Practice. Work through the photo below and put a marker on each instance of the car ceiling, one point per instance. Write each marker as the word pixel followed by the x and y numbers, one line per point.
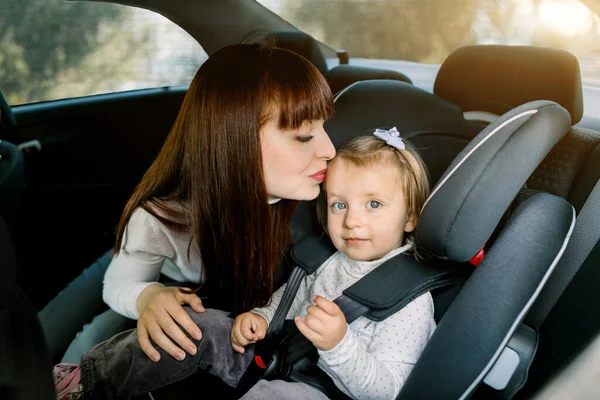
pixel 235 18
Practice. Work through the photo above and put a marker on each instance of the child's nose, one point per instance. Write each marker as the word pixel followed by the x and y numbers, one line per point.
pixel 353 218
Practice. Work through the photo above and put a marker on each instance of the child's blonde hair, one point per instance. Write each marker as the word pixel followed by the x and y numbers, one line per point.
pixel 368 150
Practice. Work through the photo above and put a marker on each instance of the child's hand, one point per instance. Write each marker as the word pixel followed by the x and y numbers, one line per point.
pixel 247 328
pixel 324 325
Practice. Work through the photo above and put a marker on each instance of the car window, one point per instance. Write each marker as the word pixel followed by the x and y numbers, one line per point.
pixel 427 31
pixel 60 49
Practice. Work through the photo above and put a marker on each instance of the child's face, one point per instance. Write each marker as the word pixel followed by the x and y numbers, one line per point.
pixel 366 210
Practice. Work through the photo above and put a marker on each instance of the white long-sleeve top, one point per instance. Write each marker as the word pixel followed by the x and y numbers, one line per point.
pixel 148 249
pixel 374 359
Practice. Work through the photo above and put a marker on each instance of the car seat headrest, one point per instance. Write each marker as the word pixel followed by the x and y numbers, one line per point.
pixel 479 186
pixel 366 105
pixel 370 104
pixel 497 78
pixel 344 75
pixel 303 44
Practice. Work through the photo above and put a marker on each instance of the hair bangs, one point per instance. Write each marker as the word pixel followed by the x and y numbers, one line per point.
pixel 299 93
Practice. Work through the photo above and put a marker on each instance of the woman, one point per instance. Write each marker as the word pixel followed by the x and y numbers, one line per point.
pixel 215 206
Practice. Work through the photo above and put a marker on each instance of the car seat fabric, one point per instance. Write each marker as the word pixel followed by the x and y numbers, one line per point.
pixel 487 311
pixel 25 365
pixel 516 266
pixel 433 125
pixel 571 169
pixel 497 157
pixel 12 172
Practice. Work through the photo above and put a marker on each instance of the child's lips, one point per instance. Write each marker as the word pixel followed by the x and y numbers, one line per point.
pixel 352 241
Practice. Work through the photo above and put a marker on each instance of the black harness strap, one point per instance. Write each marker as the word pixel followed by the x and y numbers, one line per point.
pixel 286 354
pixel 308 255
pixel 394 284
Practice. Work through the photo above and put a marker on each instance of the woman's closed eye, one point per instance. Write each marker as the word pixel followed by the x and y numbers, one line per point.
pixel 304 139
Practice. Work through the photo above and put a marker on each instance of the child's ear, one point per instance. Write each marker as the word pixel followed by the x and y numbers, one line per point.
pixel 410 225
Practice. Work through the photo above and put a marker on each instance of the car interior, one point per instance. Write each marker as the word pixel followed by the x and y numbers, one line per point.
pixel 513 161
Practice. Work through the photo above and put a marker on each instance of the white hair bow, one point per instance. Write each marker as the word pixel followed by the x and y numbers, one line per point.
pixel 391 137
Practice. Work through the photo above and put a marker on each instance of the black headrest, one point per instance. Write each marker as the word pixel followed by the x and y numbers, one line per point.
pixel 434 125
pixel 344 75
pixel 479 186
pixel 371 104
pixel 497 78
pixel 303 44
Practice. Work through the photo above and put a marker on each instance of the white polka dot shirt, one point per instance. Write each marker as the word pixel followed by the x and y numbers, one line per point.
pixel 374 359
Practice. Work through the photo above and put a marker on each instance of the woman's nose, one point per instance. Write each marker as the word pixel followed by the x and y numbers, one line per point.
pixel 326 149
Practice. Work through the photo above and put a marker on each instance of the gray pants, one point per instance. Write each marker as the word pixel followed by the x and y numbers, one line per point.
pixel 283 390
pixel 77 318
pixel 118 369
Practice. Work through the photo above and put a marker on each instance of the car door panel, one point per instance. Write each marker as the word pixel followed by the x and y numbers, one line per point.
pixel 92 153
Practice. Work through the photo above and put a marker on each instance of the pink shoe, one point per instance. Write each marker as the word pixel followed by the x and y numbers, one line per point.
pixel 66 381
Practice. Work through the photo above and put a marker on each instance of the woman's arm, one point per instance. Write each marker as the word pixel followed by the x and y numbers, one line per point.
pixel 378 370
pixel 131 288
pixel 137 265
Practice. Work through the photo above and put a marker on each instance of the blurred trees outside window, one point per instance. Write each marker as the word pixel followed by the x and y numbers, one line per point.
pixel 53 49
pixel 427 31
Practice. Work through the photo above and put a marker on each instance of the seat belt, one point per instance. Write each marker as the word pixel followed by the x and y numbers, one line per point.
pixel 377 295
pixel 308 255
pixel 382 292
pixel 584 238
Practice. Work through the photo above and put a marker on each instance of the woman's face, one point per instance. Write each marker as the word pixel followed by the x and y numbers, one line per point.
pixel 294 161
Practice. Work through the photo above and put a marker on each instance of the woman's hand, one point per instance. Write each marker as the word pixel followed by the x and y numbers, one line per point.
pixel 247 328
pixel 324 324
pixel 161 309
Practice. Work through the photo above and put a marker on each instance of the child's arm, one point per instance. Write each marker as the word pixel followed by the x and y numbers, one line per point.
pixel 301 298
pixel 247 328
pixel 375 361
pixel 267 312
pixel 252 326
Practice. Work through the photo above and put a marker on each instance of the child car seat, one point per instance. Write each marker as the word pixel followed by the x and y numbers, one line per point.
pixel 458 219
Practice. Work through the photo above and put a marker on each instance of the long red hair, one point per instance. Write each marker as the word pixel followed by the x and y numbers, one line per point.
pixel 210 167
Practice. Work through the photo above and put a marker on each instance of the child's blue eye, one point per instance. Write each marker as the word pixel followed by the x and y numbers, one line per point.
pixel 373 204
pixel 338 205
